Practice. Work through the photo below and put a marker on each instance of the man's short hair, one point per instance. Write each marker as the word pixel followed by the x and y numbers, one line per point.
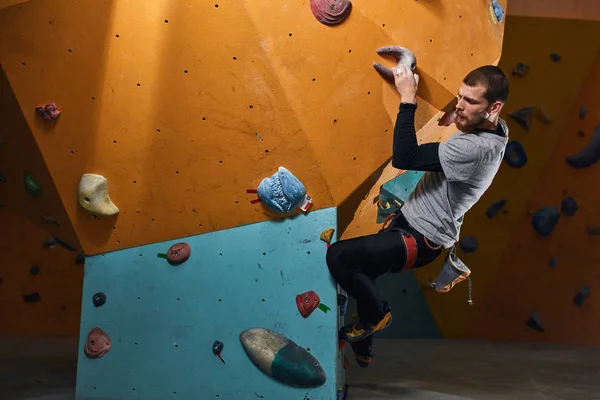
pixel 493 79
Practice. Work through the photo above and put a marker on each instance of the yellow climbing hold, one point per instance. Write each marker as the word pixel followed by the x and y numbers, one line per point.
pixel 93 196
pixel 327 234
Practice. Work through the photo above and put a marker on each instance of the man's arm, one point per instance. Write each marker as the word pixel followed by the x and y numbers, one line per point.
pixel 408 155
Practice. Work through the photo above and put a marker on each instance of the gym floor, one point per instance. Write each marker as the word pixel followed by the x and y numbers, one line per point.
pixel 402 369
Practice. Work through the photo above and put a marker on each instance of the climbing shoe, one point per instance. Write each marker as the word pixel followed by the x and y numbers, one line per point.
pixel 358 331
pixel 362 351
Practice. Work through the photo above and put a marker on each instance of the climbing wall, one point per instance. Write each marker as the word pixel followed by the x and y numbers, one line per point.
pixel 156 314
pixel 181 126
pixel 40 262
pixel 512 277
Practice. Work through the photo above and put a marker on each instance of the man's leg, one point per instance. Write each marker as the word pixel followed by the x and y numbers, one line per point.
pixel 356 263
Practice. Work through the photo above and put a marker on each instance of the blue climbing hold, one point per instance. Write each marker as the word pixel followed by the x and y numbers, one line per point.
pixel 468 244
pixel 569 206
pixel 544 220
pixel 34 270
pixel 535 322
pixel 2 177
pixel 555 57
pixel 553 261
pixel 495 208
pixel 515 155
pixel 581 296
pixel 582 112
pixel 498 10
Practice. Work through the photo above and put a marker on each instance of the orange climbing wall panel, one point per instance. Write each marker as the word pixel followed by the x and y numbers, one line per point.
pixel 525 281
pixel 183 107
pixel 572 9
pixel 554 87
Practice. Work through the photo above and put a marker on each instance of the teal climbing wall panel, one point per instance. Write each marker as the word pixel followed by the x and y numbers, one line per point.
pixel 163 319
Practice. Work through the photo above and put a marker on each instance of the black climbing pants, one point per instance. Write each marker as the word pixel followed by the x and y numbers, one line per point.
pixel 356 263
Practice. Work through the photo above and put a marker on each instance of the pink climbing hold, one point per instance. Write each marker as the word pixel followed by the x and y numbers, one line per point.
pixel 179 253
pixel 97 344
pixel 330 12
pixel 49 112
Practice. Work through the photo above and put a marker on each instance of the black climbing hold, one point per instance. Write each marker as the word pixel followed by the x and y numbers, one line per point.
pixel 534 322
pixel 80 259
pixel 64 244
pixel 553 261
pixel 521 69
pixel 582 112
pixel 515 155
pixel 99 299
pixel 217 349
pixel 589 155
pixel 32 297
pixel 569 206
pixel 34 270
pixel 468 244
pixel 32 186
pixel 341 299
pixel 523 116
pixel 581 295
pixel 495 208
pixel 555 57
pixel 544 220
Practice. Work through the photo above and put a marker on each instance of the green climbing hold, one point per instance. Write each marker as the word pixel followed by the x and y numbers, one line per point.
pixel 33 188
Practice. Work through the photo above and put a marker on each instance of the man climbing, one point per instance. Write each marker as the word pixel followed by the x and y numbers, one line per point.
pixel 458 172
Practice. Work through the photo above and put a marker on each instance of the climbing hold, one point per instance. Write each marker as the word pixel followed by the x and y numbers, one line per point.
pixel 217 349
pixel 589 155
pixel 534 322
pixel 553 261
pixel 593 230
pixel 581 295
pixel 555 57
pixel 307 302
pixel 282 359
pixel 50 243
pixel 543 116
pixel 495 208
pixel 64 244
pixel 569 206
pixel 93 195
pixel 515 155
pixel 283 192
pixel 521 69
pixel 49 219
pixel 582 112
pixel 31 185
pixel 32 297
pixel 34 270
pixel 48 112
pixel 402 56
pixel 2 177
pixel 99 299
pixel 342 302
pixel 80 259
pixel 468 244
pixel 497 11
pixel 523 116
pixel 327 235
pixel 330 12
pixel 544 220
pixel 98 343
pixel 179 253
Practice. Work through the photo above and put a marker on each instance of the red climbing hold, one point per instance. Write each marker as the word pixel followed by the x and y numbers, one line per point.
pixel 179 253
pixel 330 12
pixel 49 111
pixel 307 303
pixel 98 343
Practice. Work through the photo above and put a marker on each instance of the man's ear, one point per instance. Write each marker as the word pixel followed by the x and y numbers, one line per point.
pixel 496 107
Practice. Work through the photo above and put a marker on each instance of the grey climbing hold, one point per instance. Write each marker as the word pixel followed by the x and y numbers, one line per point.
pixel 32 186
pixel 569 206
pixel 589 155
pixel 582 112
pixel 99 299
pixel 544 220
pixel 522 116
pixel 581 295
pixel 553 261
pixel 468 244
pixel 555 57
pixel 535 322
pixel 495 208
pixel 515 155
pixel 402 56
pixel 34 270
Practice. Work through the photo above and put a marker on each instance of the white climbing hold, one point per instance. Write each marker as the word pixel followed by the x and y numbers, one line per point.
pixel 93 196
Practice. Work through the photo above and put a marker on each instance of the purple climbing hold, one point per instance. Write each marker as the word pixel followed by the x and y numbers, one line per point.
pixel 49 112
pixel 468 244
pixel 569 206
pixel 534 322
pixel 581 295
pixel 544 220
pixel 495 208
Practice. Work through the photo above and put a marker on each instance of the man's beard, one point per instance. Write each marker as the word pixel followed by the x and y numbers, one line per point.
pixel 465 125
